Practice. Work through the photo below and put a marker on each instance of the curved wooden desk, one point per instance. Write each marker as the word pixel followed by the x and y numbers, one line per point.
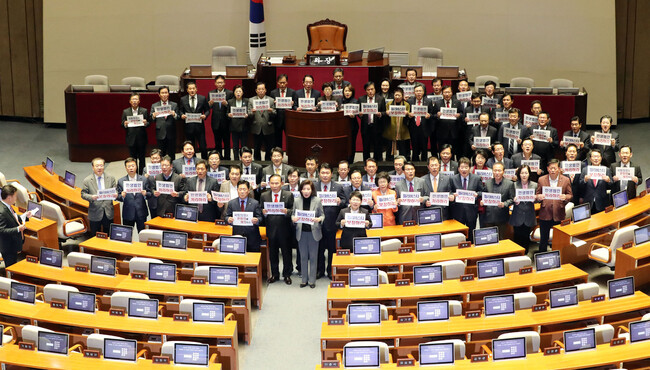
pixel 635 262
pixel 327 135
pixel 69 199
pixel 39 233
pixel 408 233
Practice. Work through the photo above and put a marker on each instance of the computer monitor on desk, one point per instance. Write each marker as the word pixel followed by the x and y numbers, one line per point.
pixel 486 236
pixel 499 305
pixel 224 275
pixel 174 240
pixel 363 278
pixel 547 261
pixel 232 244
pixel 49 165
pixel 377 220
pixel 162 272
pixel 642 235
pixel 428 242
pixel 428 216
pixel 120 349
pixel 579 340
pixel 620 199
pixel 37 209
pixel 361 357
pixel 436 354
pixel 623 287
pixel 639 330
pixel 508 349
pixel 69 178
pixel 563 297
pixel 433 311
pixel 214 312
pixel 191 354
pixel 51 342
pixel 51 257
pixel 363 246
pixel 22 292
pixel 83 302
pixel 103 265
pixel 364 313
pixel 491 268
pixel 185 212
pixel 581 212
pixel 427 274
pixel 121 233
pixel 143 308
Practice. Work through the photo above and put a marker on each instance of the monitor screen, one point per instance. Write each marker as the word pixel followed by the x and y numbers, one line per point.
pixel 49 165
pixel 429 216
pixel 37 209
pixel 191 354
pixel 547 260
pixel 639 330
pixel 102 265
pixel 364 314
pixel 364 277
pixel 642 235
pixel 436 353
pixel 121 233
pixel 581 212
pixel 120 349
pixel 51 257
pixel 490 268
pixel 2 330
pixel 69 178
pixel 563 297
pixel 232 244
pixel 426 243
pixel 78 301
pixel 576 340
pixel 431 274
pixel 23 292
pixel 187 213
pixel 175 240
pixel 208 312
pixel 362 356
pixel 506 349
pixel 647 184
pixel 162 272
pixel 377 220
pixel 143 308
pixel 433 311
pixel 486 236
pixel 620 198
pixel 224 275
pixel 366 245
pixel 499 305
pixel 52 342
pixel 622 287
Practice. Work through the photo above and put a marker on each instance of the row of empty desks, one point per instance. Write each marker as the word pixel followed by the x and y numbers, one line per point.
pixel 634 261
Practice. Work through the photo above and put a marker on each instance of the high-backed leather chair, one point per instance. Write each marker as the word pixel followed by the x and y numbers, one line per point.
pixel 327 37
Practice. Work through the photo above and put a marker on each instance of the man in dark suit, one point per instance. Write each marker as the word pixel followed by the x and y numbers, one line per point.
pixel 551 212
pixel 435 182
pixel 214 167
pixel 136 133
pixel 498 215
pixel 446 163
pixel 463 212
pixel 134 206
pixel 410 184
pixel 282 91
pixel 219 116
pixel 328 242
pixel 165 122
pixel 250 168
pixel 202 182
pixel 608 151
pixel 483 129
pixel 197 104
pixel 371 124
pixel 498 153
pixel 356 184
pixel 262 122
pixel 545 149
pixel 411 79
pixel 245 204
pixel 576 187
pixel 473 108
pixel 581 135
pixel 152 201
pixel 594 191
pixel 276 167
pixel 167 202
pixel 306 92
pixel 506 106
pixel 512 146
pixel 370 178
pixel 629 185
pixel 420 127
pixel 339 83
pixel 11 226
pixel 100 212
pixel 527 154
pixel 447 130
pixel 278 229
pixel 188 159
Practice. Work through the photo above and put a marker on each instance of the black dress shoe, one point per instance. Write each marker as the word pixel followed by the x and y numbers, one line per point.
pixel 320 275
pixel 271 280
pixel 312 286
pixel 287 280
pixel 302 285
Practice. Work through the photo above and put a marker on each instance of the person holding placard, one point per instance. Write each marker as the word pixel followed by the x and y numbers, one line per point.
pixel 608 140
pixel 230 187
pixel 480 163
pixel 276 167
pixel 277 205
pixel 100 211
pixel 246 206
pixel 248 167
pixel 135 121
pixel 410 185
pixel 576 136
pixel 467 188
pixel 371 122
pixel 342 173
pixel 622 182
pixel 382 194
pixel 152 202
pixel 498 156
pixel 545 138
pixel 215 169
pixel 185 165
pixel 435 182
pixel 596 180
pixel 421 125
pixel 483 130
pixel 194 109
pixel 356 184
pixel 371 173
pixel 327 96
pixel 284 93
pixel 498 215
pixel 293 185
pixel 447 165
pixel 384 90
pixel 203 183
pixel 512 133
pixel 134 207
pixel 307 92
pixel 552 211
pixel 262 108
pixel 352 226
pixel 572 168
pixel 338 82
pixel 411 79
pixel 238 126
pixel 172 192
pixel 307 214
pixel 436 87
pixel 447 127
pixel 506 105
pixel 333 199
pixel 396 132
pixel 471 116
pixel 164 113
pixel 523 217
pixel 348 98
pixel 527 154
pixel 463 87
pixel 218 102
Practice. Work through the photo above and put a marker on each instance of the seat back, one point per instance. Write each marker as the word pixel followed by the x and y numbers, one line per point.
pixel 22 196
pixel 522 82
pixel 481 80
pixel 202 271
pixel 513 264
pixel 186 305
pixel 459 347
pixel 383 277
pixel 3 179
pixel 150 234
pixel 141 264
pixel 99 82
pixel 455 308
pixel 429 59
pixel 53 212
pixel 121 299
pixel 532 339
pixel 5 284
pixel 168 347
pixel 621 236
pixel 96 341
pixel 171 81
pixel 452 269
pixel 587 290
pixel 604 333
pixel 384 355
pixel 327 36
pixel 223 56
pixel 525 300
pixel 568 210
pixel 133 81
pixel 57 292
pixel 452 239
pixel 560 83
pixel 390 245
pixel 78 258
pixel 30 333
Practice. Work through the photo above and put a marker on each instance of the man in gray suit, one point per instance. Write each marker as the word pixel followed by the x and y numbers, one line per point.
pixel 629 185
pixel 410 184
pixel 463 212
pixel 167 202
pixel 498 215
pixel 328 242
pixel 262 126
pixel 276 167
pixel 434 182
pixel 188 159
pixel 165 122
pixel 100 212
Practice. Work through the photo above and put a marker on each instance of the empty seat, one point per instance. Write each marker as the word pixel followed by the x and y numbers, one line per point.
pixel 78 258
pixel 455 308
pixel 522 82
pixel 23 195
pixel 141 264
pixel 57 292
pixel 95 341
pixel 623 331
pixel 481 80
pixel 121 299
pixel 535 234
pixel 65 228
pixel 452 239
pixel 383 276
pixel 133 81
pixel 525 300
pixel 587 290
pixel 532 339
pixel 384 354
pixel 607 253
pixel 429 59
pixel 223 56
pixel 171 81
pixel 186 305
pixel 99 82
pixel 451 269
pixel 560 83
pixel 604 333
pixel 513 264
pixel 5 283
pixel 30 333
pixel 150 234
pixel 9 338
pixel 390 245
pixel 459 347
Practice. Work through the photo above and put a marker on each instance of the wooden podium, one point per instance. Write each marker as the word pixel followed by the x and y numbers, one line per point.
pixel 324 135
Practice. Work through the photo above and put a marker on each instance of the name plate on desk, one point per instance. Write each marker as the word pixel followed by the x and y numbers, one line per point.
pixel 466 244
pixel 403 250
pixel 643 193
pixel 26 345
pixel 409 223
pixel 161 360
pixel 91 353
pixel 138 275
pixel 181 317
pixel 57 304
pixel 549 351
pixel 101 235
pixel 116 311
pixel 526 270
pixel 627 245
pixel 617 342
pixel 472 314
pixel 337 284
pixel 539 307
pixel 405 362
pixel 220 222
pixel 565 222
pixel 402 282
pixel 330 364
pixel 467 277
pixel 32 259
pixel 168 215
pixel 609 209
pixel 153 243
pixel 324 60
pixel 335 321
pixel 343 252
pixel 81 268
pixel 197 280
pixel 4 294
pixel 404 319
pixel 479 358
pixel 209 249
pixel 598 298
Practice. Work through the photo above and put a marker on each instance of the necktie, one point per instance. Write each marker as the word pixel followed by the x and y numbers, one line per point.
pixel 277 171
pixel 464 183
pixel 575 134
pixel 624 182
pixel 193 103
pixel 324 187
pixel 282 93
pixel 243 205
pixel 247 171
pixel 595 182
pixel 435 184
pixel 445 168
pixel 17 220
pixel 511 146
pixel 307 94
pixel 200 188
pixel 447 103
pixel 372 179
pixel 417 119
pixel 276 198
pixel 189 162
pixel 372 116
pixel 99 183
pixel 410 186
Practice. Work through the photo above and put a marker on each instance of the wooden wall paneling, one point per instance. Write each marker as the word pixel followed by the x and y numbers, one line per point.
pixel 6 89
pixel 34 85
pixel 38 29
pixel 641 90
pixel 621 49
pixel 19 58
